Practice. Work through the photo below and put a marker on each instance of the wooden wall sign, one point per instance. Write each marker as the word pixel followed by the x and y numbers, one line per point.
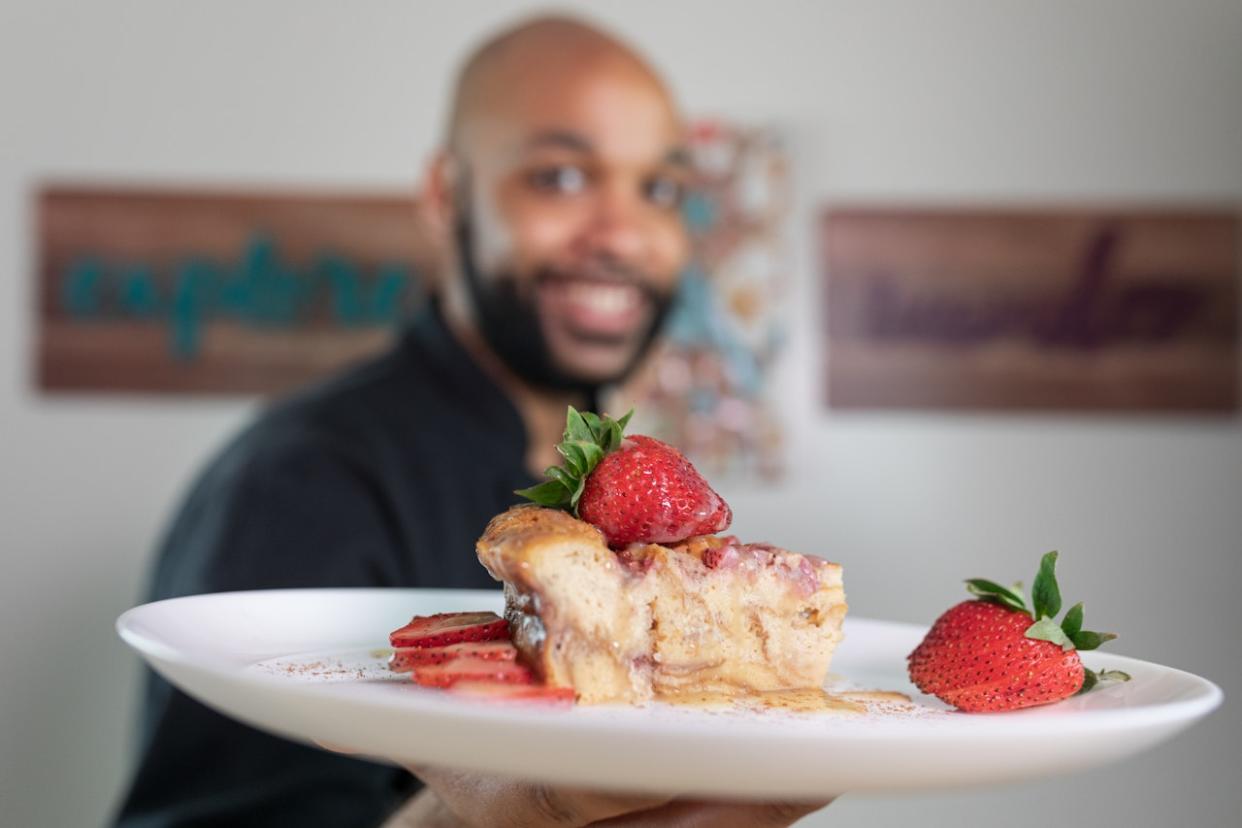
pixel 218 292
pixel 1056 309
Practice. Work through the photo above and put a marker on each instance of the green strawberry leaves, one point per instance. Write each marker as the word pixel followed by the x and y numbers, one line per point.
pixel 1072 623
pixel 1087 640
pixel 992 591
pixel 1046 603
pixel 1083 639
pixel 1091 678
pixel 1045 594
pixel 587 438
pixel 549 493
pixel 1047 629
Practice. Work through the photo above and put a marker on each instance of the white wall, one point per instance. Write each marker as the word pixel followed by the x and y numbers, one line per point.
pixel 1046 99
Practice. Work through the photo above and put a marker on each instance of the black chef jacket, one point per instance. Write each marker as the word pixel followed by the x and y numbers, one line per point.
pixel 383 477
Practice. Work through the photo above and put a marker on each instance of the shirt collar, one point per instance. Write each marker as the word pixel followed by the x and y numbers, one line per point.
pixel 481 399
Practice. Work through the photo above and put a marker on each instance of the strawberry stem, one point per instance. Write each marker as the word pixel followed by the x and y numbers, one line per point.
pixel 1046 603
pixel 997 594
pixel 587 438
pixel 1090 678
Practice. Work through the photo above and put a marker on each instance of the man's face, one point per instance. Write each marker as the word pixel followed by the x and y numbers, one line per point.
pixel 568 222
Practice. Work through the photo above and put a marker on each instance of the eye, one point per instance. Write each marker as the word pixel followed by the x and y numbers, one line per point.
pixel 664 191
pixel 562 180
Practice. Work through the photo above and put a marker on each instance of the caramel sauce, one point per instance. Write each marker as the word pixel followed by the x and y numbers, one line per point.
pixel 804 700
pixel 889 696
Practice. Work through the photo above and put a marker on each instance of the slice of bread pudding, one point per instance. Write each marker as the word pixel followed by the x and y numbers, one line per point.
pixel 709 614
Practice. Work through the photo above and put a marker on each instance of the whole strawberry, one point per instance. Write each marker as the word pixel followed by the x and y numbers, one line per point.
pixel 647 491
pixel 634 489
pixel 993 654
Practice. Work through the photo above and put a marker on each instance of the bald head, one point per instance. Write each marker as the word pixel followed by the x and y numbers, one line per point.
pixel 538 57
pixel 562 181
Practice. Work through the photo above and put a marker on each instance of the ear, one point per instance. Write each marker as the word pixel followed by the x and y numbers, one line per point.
pixel 438 201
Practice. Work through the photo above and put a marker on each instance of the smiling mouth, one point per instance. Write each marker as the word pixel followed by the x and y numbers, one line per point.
pixel 606 309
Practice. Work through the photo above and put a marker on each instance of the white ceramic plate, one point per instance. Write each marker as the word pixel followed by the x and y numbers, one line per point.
pixel 304 663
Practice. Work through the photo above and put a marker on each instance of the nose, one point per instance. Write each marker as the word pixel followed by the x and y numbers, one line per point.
pixel 619 228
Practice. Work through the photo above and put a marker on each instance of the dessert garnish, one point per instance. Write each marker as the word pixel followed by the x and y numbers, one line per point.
pixel 449 628
pixel 634 489
pixel 468 653
pixel 405 659
pixel 995 654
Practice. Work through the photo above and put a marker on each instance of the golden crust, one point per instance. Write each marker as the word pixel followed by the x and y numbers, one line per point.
pixel 520 533
pixel 528 522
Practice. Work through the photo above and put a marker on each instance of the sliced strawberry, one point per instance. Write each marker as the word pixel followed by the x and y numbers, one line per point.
pixel 496 691
pixel 407 658
pixel 449 628
pixel 471 669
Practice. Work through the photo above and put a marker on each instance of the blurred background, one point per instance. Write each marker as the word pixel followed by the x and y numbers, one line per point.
pixel 1125 109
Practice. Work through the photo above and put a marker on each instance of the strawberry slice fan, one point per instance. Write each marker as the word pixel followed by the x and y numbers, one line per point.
pixel 995 654
pixel 468 653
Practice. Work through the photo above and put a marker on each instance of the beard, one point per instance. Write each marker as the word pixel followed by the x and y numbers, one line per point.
pixel 509 320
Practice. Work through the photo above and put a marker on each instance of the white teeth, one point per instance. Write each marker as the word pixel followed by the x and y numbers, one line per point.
pixel 608 298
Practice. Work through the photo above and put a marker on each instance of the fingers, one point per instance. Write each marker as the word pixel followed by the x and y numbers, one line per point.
pixel 425 810
pixel 691 814
pixel 504 803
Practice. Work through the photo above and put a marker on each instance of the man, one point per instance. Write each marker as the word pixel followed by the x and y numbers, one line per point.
pixel 559 186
